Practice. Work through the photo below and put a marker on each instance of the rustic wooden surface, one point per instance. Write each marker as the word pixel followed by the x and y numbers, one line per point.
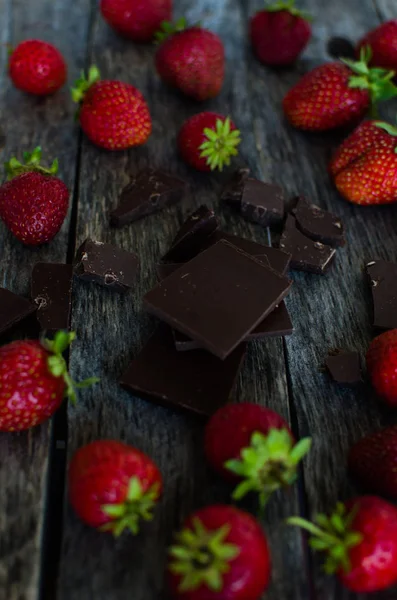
pixel 48 554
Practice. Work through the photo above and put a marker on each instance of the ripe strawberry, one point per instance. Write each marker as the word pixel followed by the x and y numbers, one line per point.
pixel 207 141
pixel 221 554
pixel 253 445
pixel 383 42
pixel 382 366
pixel 280 33
pixel 34 381
pixel 191 59
pixel 373 462
pixel 364 167
pixel 113 486
pixel 360 541
pixel 337 94
pixel 33 202
pixel 37 68
pixel 138 19
pixel 113 115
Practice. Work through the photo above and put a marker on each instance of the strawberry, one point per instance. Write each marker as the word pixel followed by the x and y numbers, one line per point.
pixel 138 19
pixel 360 543
pixel 33 202
pixel 337 94
pixel 191 59
pixel 253 445
pixel 221 554
pixel 207 141
pixel 34 381
pixel 113 486
pixel 382 366
pixel 373 462
pixel 37 68
pixel 113 115
pixel 383 42
pixel 280 33
pixel 364 168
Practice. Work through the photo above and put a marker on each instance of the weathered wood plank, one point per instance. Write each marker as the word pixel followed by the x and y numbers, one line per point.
pixel 386 8
pixel 27 122
pixel 134 567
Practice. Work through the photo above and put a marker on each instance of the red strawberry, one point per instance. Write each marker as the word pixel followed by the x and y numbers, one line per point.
pixel 373 462
pixel 254 445
pixel 337 94
pixel 360 542
pixel 221 554
pixel 34 381
pixel 191 59
pixel 138 19
pixel 113 115
pixel 364 167
pixel 383 42
pixel 207 141
pixel 280 33
pixel 33 202
pixel 37 68
pixel 382 366
pixel 113 486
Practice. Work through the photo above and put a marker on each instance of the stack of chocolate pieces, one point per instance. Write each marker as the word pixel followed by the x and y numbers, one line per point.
pixel 215 293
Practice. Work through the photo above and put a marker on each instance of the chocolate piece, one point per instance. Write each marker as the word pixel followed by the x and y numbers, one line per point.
pixel 165 270
pixel 13 309
pixel 340 47
pixel 319 224
pixel 147 193
pixel 383 278
pixel 193 381
pixel 191 236
pixel 234 188
pixel 218 297
pixel 262 203
pixel 344 367
pixel 107 265
pixel 51 291
pixel 307 255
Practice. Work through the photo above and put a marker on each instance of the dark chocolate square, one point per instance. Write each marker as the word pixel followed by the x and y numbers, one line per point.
pixel 319 224
pixel 233 190
pixel 344 367
pixel 192 235
pixel 383 279
pixel 13 309
pixel 51 291
pixel 262 203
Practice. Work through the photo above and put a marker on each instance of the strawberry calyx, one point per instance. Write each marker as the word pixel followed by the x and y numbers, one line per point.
pixel 374 79
pixel 57 364
pixel 289 5
pixel 138 505
pixel 31 163
pixel 221 144
pixel 269 463
pixel 202 557
pixel 83 84
pixel 332 535
pixel 167 29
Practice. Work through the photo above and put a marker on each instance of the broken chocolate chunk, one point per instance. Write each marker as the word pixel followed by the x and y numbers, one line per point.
pixel 318 224
pixel 107 265
pixel 307 255
pixel 344 367
pixel 195 381
pixel 149 192
pixel 51 291
pixel 13 309
pixel 262 203
pixel 192 235
pixel 233 190
pixel 383 278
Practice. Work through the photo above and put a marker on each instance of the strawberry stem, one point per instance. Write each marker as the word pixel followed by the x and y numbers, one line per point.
pixel 83 84
pixel 374 79
pixel 221 144
pixel 31 163
pixel 289 5
pixel 167 29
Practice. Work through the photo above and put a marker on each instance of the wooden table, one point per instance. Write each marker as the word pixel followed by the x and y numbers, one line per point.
pixel 45 552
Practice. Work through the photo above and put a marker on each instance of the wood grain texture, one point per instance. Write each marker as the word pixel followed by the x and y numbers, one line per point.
pixel 387 9
pixel 27 122
pixel 111 329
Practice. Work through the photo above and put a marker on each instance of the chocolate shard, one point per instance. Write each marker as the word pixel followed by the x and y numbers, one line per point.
pixel 148 192
pixel 218 298
pixel 233 190
pixel 107 265
pixel 344 367
pixel 307 255
pixel 164 270
pixel 51 291
pixel 383 279
pixel 13 309
pixel 192 235
pixel 262 203
pixel 318 224
pixel 196 382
